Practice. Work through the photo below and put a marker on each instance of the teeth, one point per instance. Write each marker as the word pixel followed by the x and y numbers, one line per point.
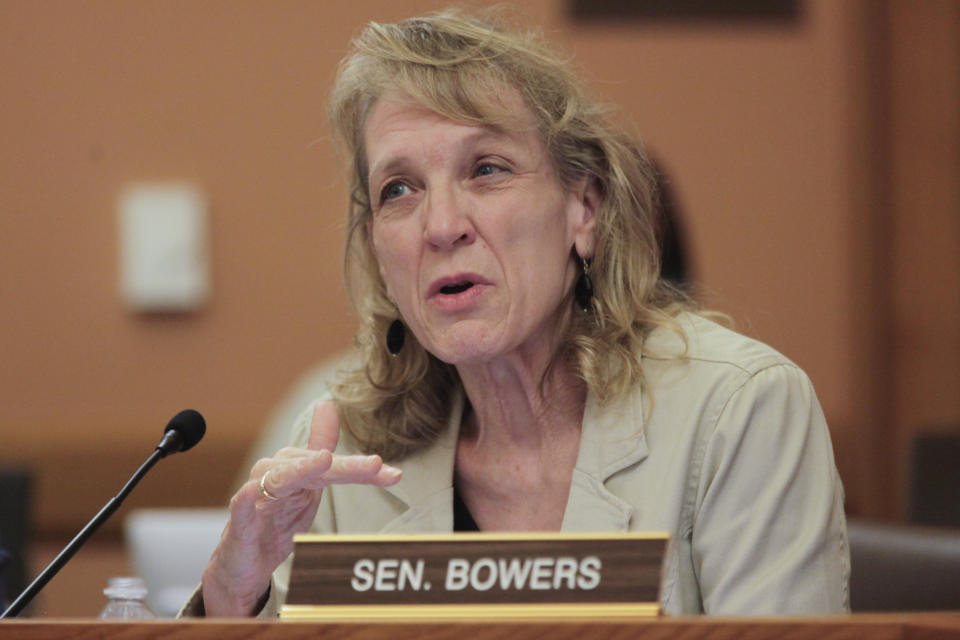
pixel 456 288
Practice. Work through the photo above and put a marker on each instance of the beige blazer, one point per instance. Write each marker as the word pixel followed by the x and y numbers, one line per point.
pixel 734 460
pixel 729 452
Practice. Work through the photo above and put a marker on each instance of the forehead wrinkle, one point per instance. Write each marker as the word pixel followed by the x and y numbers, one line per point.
pixel 390 161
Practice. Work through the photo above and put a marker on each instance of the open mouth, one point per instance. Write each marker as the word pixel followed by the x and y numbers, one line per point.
pixel 457 287
pixel 454 289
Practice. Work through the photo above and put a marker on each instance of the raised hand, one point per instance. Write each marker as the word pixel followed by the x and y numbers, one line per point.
pixel 279 500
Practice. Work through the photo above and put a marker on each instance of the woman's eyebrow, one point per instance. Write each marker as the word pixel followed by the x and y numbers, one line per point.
pixel 390 163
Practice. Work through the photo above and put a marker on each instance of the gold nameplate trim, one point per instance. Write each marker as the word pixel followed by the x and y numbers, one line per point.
pixel 480 537
pixel 466 613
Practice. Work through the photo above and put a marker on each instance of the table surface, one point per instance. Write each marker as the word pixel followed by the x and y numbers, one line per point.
pixel 908 626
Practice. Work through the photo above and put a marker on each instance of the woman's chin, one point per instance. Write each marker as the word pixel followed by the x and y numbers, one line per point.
pixel 477 342
pixel 463 354
pixel 466 347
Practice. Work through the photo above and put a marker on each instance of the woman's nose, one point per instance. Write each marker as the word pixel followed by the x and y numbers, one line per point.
pixel 447 220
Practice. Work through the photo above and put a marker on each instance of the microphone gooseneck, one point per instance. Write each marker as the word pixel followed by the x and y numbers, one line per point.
pixel 182 432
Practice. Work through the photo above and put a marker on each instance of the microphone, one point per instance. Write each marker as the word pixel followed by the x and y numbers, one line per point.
pixel 182 432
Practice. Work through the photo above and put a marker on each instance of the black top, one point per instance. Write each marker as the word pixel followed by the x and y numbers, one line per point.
pixel 462 519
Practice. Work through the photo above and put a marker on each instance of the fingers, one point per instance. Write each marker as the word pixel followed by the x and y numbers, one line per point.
pixel 293 470
pixel 284 477
pixel 360 470
pixel 387 476
pixel 324 427
pixel 324 433
pixel 317 470
pixel 302 459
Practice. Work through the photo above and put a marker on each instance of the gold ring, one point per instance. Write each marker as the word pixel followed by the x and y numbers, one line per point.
pixel 263 489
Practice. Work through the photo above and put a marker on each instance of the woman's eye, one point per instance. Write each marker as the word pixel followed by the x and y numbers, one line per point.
pixel 394 190
pixel 486 169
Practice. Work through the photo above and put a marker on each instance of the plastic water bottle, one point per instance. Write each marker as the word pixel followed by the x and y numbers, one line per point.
pixel 127 600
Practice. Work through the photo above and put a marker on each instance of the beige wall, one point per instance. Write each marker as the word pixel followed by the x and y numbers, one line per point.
pixel 769 132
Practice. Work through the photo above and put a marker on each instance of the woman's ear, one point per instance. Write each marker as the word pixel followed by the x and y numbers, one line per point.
pixel 585 217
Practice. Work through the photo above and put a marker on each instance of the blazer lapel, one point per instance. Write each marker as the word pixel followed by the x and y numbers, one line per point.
pixel 611 440
pixel 427 483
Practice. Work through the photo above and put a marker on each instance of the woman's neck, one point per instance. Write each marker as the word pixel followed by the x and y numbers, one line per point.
pixel 518 445
pixel 519 402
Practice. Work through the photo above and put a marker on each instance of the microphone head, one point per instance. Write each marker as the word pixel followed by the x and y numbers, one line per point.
pixel 190 425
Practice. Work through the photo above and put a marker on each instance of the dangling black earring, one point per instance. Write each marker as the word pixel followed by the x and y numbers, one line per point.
pixel 583 292
pixel 395 337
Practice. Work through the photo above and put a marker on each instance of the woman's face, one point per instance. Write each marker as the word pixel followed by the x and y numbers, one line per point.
pixel 473 232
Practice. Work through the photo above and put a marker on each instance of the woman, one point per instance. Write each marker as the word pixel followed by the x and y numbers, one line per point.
pixel 523 364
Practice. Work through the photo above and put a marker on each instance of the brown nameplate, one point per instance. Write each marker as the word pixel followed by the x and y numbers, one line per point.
pixel 475 576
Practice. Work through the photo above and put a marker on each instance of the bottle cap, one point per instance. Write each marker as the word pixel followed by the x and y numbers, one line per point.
pixel 126 588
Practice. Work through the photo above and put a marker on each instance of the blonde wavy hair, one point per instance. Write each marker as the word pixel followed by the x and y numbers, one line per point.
pixel 456 64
